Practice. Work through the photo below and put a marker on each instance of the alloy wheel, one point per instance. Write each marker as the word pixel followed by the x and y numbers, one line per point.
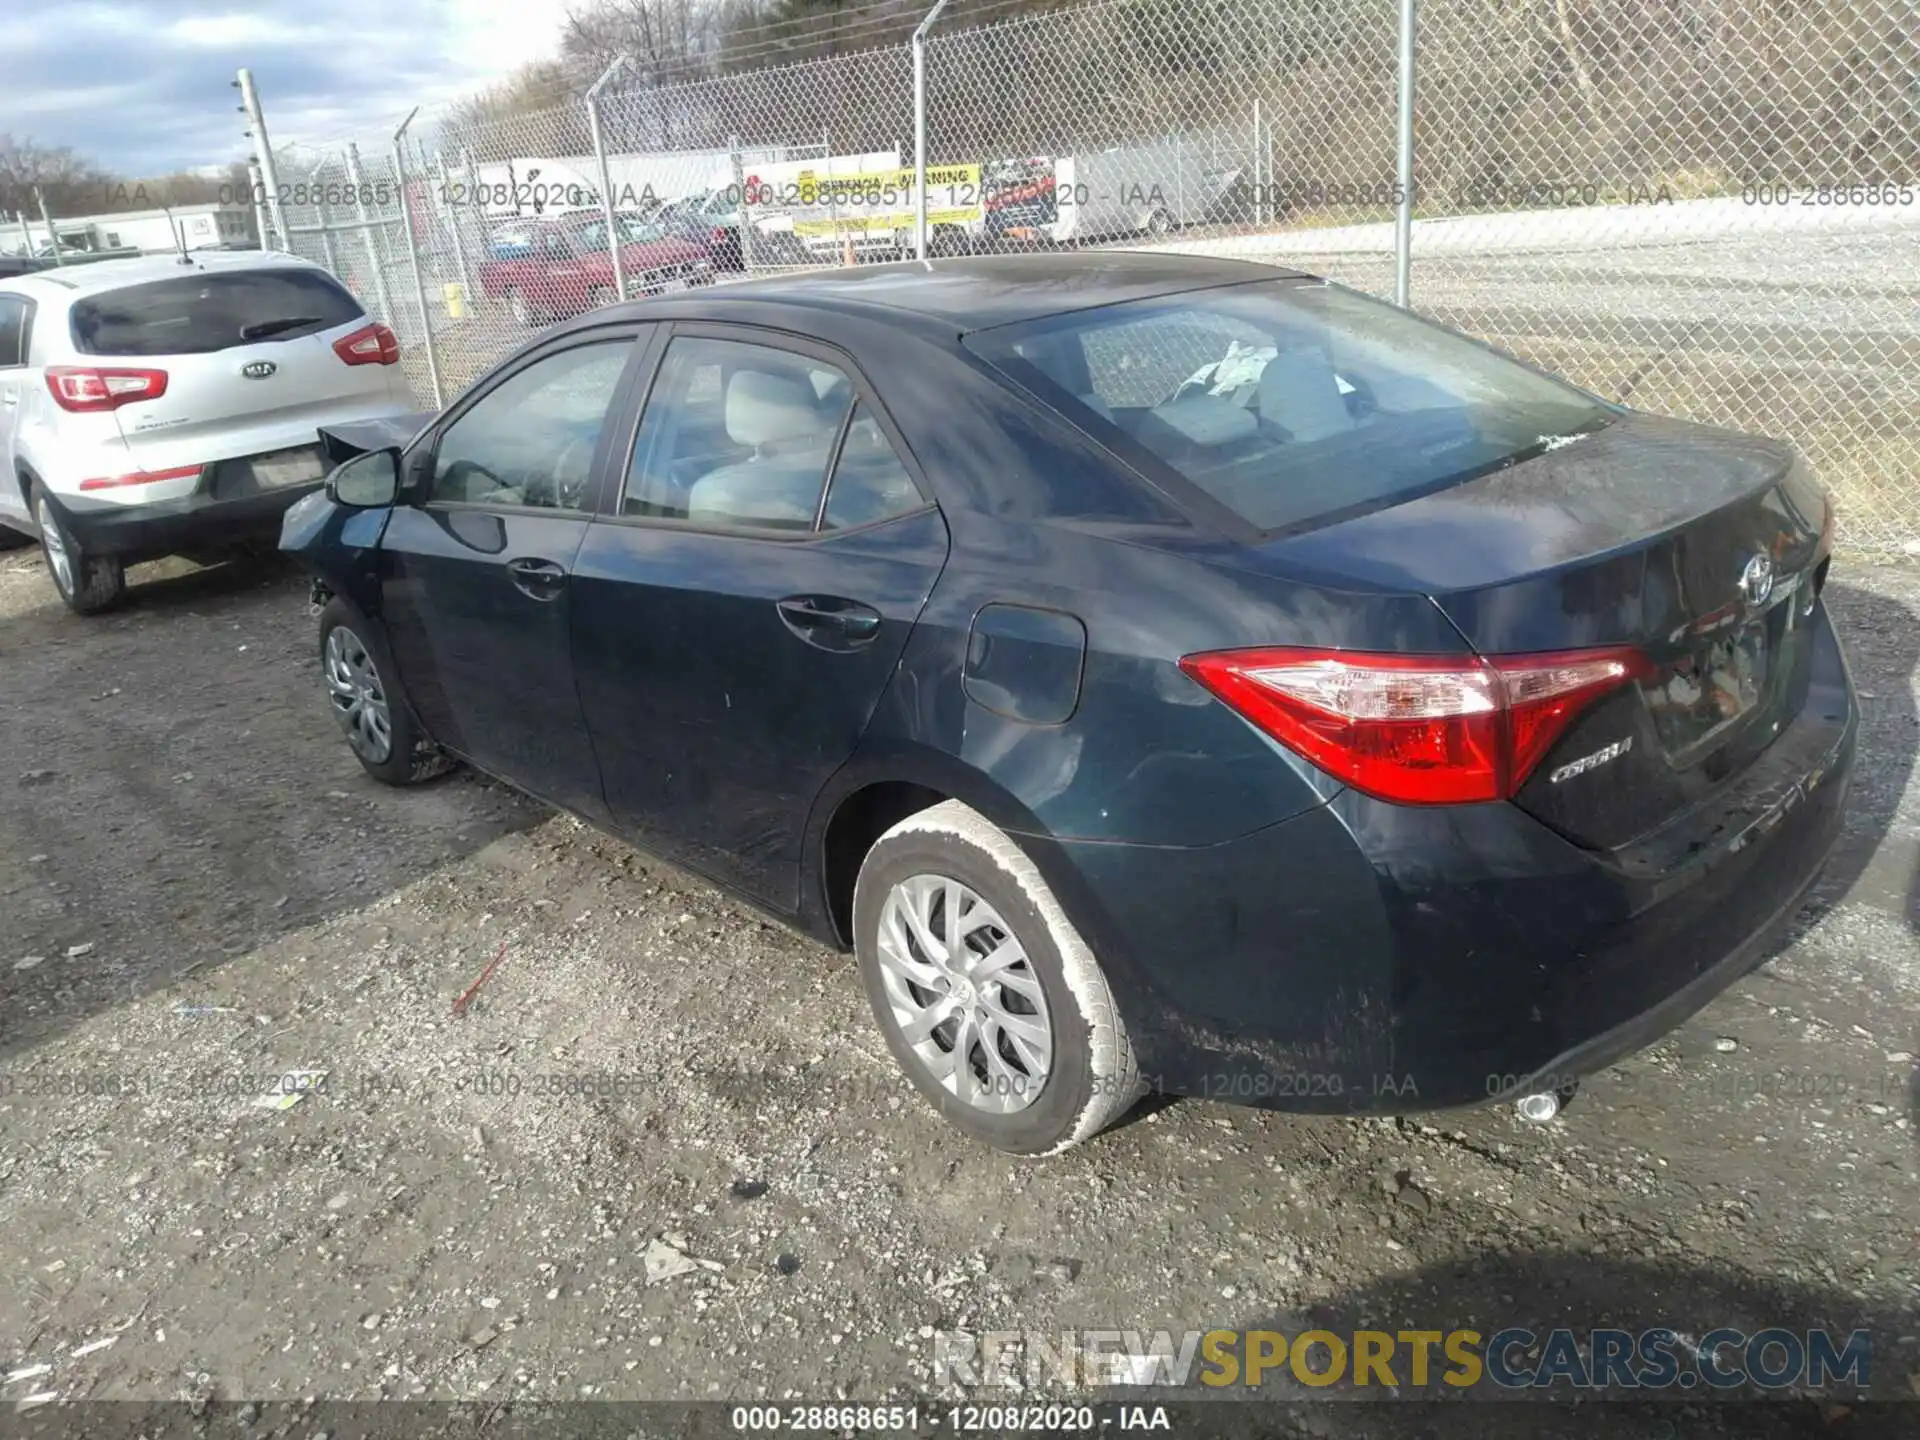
pixel 964 994
pixel 359 699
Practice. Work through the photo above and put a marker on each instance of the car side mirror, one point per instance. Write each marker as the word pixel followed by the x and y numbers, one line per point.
pixel 366 482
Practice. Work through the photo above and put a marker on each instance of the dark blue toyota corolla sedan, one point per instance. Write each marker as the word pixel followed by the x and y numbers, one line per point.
pixel 1161 672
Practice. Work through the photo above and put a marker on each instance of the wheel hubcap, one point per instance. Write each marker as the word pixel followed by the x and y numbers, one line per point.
pixel 56 547
pixel 964 995
pixel 359 699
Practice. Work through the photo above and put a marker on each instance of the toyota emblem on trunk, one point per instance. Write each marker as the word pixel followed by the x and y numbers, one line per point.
pixel 1756 581
pixel 258 369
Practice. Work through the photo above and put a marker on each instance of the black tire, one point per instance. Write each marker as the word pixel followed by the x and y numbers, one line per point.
pixel 410 756
pixel 91 583
pixel 1094 1078
pixel 1160 225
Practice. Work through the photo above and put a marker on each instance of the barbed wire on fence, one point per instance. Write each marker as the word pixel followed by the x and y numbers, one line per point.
pixel 1710 207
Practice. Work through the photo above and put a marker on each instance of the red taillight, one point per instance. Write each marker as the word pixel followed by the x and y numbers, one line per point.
pixel 141 477
pixel 371 344
pixel 1416 729
pixel 82 388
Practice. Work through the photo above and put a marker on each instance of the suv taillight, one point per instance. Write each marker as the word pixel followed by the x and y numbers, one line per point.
pixel 1416 729
pixel 82 388
pixel 372 344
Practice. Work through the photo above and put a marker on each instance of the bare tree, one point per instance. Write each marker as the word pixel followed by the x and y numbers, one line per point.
pixel 69 183
pixel 537 87
pixel 665 39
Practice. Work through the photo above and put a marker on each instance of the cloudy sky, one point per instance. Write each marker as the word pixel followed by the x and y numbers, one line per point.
pixel 140 87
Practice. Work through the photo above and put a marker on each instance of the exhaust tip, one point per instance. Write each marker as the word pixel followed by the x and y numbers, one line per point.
pixel 1538 1109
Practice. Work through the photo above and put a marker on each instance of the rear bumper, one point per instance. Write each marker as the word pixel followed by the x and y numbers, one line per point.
pixel 1373 957
pixel 168 527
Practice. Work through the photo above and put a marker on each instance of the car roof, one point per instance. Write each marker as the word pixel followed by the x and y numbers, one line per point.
pixel 72 282
pixel 978 292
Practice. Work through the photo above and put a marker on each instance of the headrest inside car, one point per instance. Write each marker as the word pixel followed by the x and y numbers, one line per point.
pixel 767 407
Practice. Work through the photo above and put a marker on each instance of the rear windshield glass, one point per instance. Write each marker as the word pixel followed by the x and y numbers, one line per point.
pixel 198 314
pixel 1292 401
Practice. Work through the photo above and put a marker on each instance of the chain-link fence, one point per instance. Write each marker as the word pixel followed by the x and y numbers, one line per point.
pixel 1704 207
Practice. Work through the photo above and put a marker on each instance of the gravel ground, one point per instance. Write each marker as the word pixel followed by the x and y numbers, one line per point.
pixel 199 890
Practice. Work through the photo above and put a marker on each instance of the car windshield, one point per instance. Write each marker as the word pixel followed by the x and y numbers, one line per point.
pixel 200 313
pixel 1293 401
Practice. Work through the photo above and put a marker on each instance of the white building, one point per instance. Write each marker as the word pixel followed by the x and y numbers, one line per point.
pixel 151 231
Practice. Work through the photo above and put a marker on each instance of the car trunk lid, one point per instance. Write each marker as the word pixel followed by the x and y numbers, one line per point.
pixel 1701 548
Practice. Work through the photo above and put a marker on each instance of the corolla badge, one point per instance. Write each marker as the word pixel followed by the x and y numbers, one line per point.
pixel 258 369
pixel 1756 581
pixel 1591 762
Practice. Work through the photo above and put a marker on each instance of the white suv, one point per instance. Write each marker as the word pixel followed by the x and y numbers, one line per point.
pixel 167 405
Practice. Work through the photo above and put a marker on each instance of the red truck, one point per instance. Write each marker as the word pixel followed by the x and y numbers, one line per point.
pixel 566 268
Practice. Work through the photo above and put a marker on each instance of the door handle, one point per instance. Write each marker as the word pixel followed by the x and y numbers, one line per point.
pixel 540 579
pixel 829 620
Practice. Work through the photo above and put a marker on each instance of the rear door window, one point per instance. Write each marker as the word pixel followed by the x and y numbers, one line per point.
pixel 1291 402
pixel 201 313
pixel 869 483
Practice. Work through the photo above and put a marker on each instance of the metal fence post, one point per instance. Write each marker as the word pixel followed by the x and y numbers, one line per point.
pixel 257 123
pixel 320 209
pixel 1403 166
pixel 413 254
pixel 620 62
pixel 1260 162
pixel 920 129
pixel 746 210
pixel 53 236
pixel 450 219
pixel 359 184
pixel 261 231
pixel 1180 177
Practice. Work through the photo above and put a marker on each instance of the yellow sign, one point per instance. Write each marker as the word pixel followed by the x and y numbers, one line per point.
pixel 882 201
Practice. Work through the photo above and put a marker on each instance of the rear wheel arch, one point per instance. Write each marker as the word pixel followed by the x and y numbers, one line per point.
pixel 868 798
pixel 856 823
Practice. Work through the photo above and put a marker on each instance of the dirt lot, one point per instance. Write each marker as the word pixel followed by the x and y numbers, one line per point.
pixel 199 890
